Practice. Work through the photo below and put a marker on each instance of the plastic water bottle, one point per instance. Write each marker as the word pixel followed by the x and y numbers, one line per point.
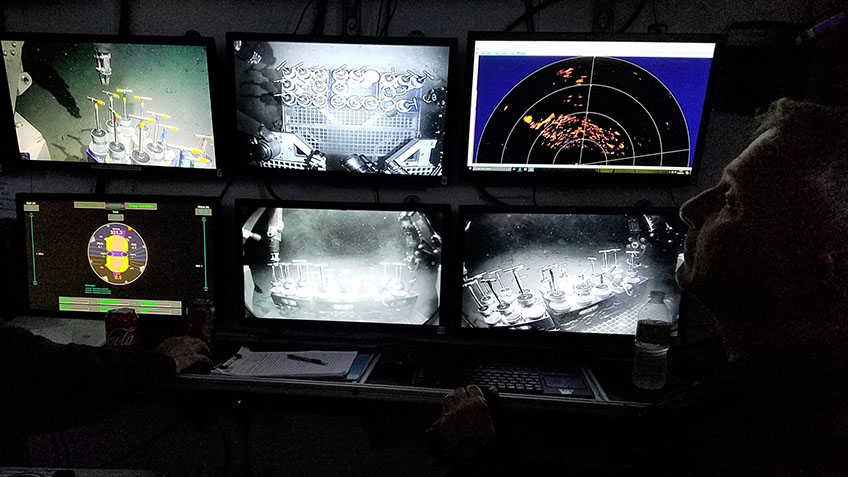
pixel 653 335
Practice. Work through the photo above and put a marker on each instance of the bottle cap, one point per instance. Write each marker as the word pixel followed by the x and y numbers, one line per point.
pixel 653 331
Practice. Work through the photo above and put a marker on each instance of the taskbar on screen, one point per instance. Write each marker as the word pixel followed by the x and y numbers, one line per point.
pixel 603 170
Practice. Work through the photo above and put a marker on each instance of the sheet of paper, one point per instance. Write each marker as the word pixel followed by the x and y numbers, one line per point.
pixel 278 364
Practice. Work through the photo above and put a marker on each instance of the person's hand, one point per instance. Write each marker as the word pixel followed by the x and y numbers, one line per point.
pixel 189 354
pixel 465 427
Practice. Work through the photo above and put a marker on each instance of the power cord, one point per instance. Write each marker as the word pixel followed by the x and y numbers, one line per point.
pixel 656 27
pixel 389 17
pixel 529 14
pixel 124 20
pixel 379 18
pixel 320 18
pixel 488 197
pixel 529 17
pixel 302 13
pixel 227 186
pixel 633 16
pixel 673 199
pixel 270 189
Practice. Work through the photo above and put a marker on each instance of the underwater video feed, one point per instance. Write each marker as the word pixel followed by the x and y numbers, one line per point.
pixel 364 266
pixel 601 106
pixel 122 104
pixel 583 273
pixel 363 108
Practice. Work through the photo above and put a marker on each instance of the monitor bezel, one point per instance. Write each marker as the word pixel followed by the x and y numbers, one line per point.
pixel 341 330
pixel 21 286
pixel 344 177
pixel 570 177
pixel 587 344
pixel 11 158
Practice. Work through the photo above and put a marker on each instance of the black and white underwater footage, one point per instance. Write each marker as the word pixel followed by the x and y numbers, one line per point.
pixel 567 272
pixel 364 108
pixel 363 266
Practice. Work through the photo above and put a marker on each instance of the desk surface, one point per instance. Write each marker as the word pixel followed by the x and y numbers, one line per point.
pixel 393 392
pixel 611 396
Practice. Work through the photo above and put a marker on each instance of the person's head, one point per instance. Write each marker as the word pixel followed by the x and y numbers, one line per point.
pixel 772 235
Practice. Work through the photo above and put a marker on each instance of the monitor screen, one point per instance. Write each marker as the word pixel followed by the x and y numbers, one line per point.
pixel 587 105
pixel 109 103
pixel 340 106
pixel 85 255
pixel 587 271
pixel 342 263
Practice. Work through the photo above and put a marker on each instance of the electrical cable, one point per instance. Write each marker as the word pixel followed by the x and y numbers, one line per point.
pixel 302 13
pixel 379 17
pixel 227 186
pixel 633 16
pixel 271 189
pixel 124 19
pixel 656 27
pixel 487 196
pixel 538 8
pixel 673 199
pixel 529 16
pixel 389 17
pixel 534 195
pixel 320 18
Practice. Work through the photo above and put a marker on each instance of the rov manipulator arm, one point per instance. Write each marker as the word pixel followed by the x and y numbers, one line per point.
pixel 103 62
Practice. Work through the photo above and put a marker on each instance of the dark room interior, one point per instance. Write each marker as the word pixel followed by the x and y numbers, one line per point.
pixel 376 189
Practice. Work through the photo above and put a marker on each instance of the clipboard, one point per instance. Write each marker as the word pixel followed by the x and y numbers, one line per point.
pixel 288 364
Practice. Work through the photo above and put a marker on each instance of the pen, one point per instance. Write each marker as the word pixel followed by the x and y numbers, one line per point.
pixel 298 357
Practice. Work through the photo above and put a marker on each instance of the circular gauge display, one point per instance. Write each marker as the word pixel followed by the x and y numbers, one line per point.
pixel 587 111
pixel 117 254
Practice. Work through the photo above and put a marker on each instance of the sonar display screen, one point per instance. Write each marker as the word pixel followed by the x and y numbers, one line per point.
pixel 334 265
pixel 119 104
pixel 567 272
pixel 90 255
pixel 363 108
pixel 598 106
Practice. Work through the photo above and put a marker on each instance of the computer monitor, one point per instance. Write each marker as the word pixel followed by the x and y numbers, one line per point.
pixel 110 103
pixel 347 266
pixel 374 107
pixel 85 255
pixel 567 270
pixel 554 107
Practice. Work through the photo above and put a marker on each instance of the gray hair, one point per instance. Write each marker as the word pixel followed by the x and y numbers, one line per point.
pixel 815 138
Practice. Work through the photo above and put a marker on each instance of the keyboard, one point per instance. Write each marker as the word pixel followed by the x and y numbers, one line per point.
pixel 507 375
pixel 505 379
